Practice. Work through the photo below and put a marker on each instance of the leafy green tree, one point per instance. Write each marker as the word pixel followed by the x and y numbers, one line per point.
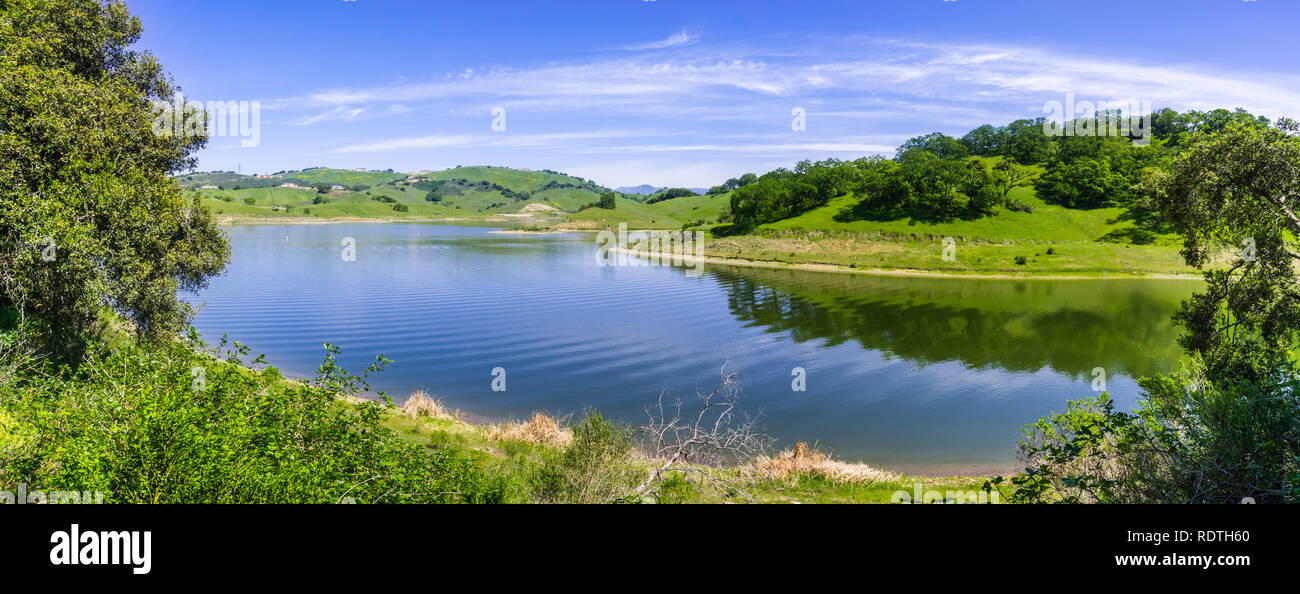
pixel 1083 183
pixel 1226 426
pixel 1235 193
pixel 985 140
pixel 1009 176
pixel 941 145
pixel 1026 142
pixel 82 170
pixel 607 200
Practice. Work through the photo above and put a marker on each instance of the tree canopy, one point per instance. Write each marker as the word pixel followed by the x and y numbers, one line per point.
pixel 89 215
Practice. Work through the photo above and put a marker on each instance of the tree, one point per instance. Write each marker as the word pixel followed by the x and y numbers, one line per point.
pixel 1008 176
pixel 1237 192
pixel 1026 142
pixel 607 200
pixel 1082 183
pixel 1226 426
pixel 985 140
pixel 82 170
pixel 942 145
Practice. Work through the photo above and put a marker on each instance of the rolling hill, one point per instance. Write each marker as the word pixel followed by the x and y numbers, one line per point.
pixel 486 193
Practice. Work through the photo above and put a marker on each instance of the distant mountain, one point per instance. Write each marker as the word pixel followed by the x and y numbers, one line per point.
pixel 643 189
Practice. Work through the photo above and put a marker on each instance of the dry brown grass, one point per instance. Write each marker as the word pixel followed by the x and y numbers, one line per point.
pixel 542 429
pixel 805 460
pixel 420 404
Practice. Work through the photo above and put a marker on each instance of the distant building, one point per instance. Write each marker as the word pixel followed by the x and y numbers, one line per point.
pixel 208 188
pixel 361 169
pixel 290 185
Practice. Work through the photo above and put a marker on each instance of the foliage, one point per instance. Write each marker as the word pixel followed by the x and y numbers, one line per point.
pixel 938 144
pixel 669 194
pixel 922 185
pixel 1190 441
pixel 733 184
pixel 190 427
pixel 82 170
pixel 595 468
pixel 783 193
pixel 1228 425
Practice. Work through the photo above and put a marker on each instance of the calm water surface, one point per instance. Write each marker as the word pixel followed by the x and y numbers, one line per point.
pixel 914 374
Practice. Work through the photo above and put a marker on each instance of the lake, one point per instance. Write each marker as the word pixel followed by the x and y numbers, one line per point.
pixel 914 374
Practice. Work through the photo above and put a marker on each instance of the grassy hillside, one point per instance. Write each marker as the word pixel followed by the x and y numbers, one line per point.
pixel 480 193
pixel 695 211
pixel 1049 240
pixel 1048 222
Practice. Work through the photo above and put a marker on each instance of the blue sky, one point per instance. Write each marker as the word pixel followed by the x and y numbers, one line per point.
pixel 691 92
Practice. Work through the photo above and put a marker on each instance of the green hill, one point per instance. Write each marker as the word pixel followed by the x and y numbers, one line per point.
pixel 484 193
pixel 692 211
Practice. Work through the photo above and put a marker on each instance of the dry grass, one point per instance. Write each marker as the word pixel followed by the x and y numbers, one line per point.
pixel 805 460
pixel 420 404
pixel 542 429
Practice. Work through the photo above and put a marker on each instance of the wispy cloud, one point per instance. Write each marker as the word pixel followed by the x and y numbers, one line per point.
pixel 674 40
pixel 492 140
pixel 338 114
pixel 730 107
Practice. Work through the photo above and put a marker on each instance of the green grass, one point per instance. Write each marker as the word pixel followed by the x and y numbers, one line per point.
pixel 516 460
pixel 634 214
pixel 472 204
pixel 873 252
pixel 1082 242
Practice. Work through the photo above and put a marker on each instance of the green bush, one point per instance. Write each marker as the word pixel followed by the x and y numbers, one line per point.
pixel 1018 206
pixel 1188 442
pixel 595 468
pixel 170 424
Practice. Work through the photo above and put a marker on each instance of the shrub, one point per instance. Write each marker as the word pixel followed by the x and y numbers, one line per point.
pixel 1188 442
pixel 595 468
pixel 1018 206
pixel 194 428
pixel 1021 260
pixel 541 430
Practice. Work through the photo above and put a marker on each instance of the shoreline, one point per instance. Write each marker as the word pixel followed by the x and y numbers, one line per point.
pixel 837 268
pixel 723 261
pixel 940 472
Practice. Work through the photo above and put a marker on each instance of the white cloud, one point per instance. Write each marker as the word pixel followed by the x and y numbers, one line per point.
pixel 674 40
pixel 728 109
pixel 338 114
